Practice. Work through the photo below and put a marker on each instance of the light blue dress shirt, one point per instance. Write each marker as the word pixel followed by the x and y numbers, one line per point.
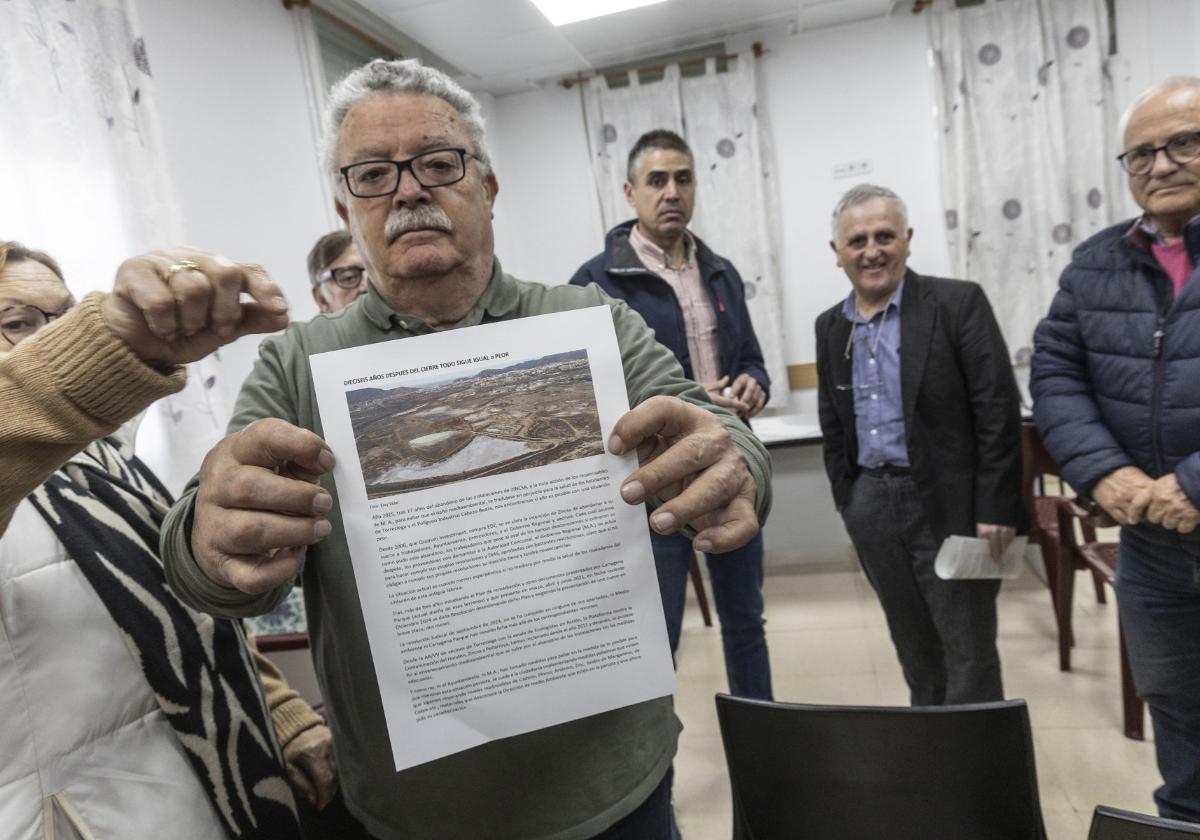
pixel 874 349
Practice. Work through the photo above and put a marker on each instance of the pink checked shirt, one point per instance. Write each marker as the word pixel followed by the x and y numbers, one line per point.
pixel 699 320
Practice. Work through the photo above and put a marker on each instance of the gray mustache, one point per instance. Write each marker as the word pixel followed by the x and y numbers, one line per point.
pixel 422 217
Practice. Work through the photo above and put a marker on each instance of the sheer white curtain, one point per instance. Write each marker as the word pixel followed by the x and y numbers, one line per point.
pixel 1028 169
pixel 736 214
pixel 615 119
pixel 85 178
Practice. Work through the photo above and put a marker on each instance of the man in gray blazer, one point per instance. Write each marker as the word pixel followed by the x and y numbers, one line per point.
pixel 922 440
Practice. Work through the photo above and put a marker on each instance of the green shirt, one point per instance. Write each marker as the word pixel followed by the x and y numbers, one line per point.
pixel 565 782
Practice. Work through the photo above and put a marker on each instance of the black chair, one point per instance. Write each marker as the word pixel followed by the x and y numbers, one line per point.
pixel 871 773
pixel 1115 824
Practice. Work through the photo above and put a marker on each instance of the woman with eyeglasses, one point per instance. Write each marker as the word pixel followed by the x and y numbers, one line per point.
pixel 32 295
pixel 125 714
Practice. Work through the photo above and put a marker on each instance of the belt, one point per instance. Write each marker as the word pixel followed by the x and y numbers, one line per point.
pixel 887 469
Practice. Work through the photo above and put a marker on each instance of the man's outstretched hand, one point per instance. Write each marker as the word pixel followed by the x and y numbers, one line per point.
pixel 689 460
pixel 258 505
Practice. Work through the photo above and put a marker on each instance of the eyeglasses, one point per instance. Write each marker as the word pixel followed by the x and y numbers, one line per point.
pixel 435 168
pixel 17 323
pixel 1182 148
pixel 346 277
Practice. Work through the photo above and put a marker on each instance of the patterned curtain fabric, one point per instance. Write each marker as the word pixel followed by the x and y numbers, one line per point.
pixel 736 203
pixel 85 178
pixel 1028 146
pixel 614 120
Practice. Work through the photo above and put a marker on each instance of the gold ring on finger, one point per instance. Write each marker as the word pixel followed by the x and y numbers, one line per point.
pixel 182 265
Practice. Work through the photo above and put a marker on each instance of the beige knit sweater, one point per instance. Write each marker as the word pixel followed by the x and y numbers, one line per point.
pixel 75 382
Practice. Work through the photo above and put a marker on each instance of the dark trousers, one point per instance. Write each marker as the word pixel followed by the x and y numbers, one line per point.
pixel 737 580
pixel 335 822
pixel 944 630
pixel 1158 593
pixel 649 821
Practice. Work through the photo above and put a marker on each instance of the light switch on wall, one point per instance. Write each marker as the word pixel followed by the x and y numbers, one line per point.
pixel 852 169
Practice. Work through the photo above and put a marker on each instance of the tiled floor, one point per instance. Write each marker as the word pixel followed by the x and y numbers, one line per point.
pixel 829 644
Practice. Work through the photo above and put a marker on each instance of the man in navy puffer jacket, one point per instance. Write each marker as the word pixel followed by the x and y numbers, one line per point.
pixel 1116 387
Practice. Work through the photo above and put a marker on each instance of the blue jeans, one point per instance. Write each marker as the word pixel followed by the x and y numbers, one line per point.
pixel 1158 593
pixel 737 578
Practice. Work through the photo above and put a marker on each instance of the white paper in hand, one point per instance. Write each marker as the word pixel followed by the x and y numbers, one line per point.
pixel 970 558
pixel 505 587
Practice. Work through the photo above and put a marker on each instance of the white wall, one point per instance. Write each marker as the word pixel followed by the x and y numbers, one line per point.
pixel 547 214
pixel 233 106
pixel 1156 39
pixel 857 92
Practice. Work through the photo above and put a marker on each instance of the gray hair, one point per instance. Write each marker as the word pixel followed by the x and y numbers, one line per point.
pixel 862 193
pixel 1165 86
pixel 407 76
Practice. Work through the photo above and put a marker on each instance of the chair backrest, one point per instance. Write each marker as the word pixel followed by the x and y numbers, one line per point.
pixel 1115 824
pixel 869 773
pixel 1036 463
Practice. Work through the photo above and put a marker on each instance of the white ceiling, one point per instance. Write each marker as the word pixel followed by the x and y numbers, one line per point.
pixel 507 46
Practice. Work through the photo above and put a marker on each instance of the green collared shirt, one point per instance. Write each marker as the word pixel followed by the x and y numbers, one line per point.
pixel 566 782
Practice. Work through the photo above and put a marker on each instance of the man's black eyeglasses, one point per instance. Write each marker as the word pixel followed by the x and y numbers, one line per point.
pixel 17 323
pixel 1182 148
pixel 346 277
pixel 435 168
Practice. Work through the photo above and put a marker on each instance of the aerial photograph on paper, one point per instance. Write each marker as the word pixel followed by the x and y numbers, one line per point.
pixel 469 425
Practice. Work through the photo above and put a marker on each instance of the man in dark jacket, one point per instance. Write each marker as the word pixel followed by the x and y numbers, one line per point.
pixel 1116 387
pixel 696 305
pixel 922 441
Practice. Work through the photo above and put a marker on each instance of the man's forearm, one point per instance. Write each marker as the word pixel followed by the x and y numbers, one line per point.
pixel 758 461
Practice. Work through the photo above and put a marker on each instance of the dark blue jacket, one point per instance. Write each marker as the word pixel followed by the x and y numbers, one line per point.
pixel 620 273
pixel 1116 364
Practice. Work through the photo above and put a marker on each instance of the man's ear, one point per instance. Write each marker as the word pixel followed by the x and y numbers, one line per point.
pixel 342 212
pixel 629 193
pixel 491 186
pixel 833 247
pixel 319 299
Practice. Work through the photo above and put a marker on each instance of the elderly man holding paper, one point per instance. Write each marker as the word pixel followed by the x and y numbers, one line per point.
pixel 406 149
pixel 921 418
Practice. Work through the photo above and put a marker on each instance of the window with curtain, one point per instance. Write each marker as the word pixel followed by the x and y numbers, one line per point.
pixel 342 49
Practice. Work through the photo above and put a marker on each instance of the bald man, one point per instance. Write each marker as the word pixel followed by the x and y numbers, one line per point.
pixel 1116 387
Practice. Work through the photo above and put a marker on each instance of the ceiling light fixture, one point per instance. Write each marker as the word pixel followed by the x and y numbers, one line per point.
pixel 562 12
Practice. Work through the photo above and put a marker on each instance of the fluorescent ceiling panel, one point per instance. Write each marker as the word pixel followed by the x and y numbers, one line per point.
pixel 562 12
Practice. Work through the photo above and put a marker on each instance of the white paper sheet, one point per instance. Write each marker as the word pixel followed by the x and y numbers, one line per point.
pixel 505 585
pixel 970 558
